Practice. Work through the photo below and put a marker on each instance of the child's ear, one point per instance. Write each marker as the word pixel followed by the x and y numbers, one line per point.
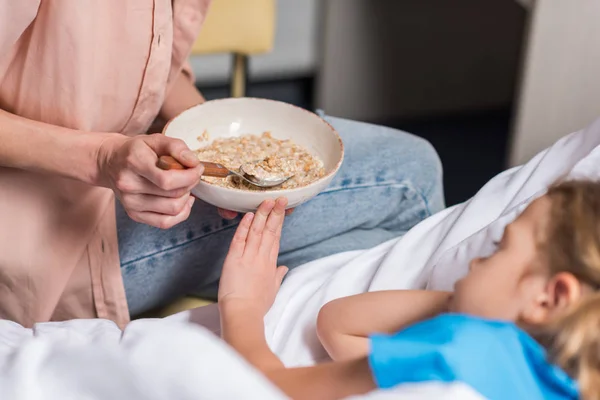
pixel 560 292
pixel 565 290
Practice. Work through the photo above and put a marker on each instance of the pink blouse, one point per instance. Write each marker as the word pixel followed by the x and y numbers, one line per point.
pixel 101 66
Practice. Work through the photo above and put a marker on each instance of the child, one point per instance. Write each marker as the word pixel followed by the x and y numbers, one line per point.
pixel 523 323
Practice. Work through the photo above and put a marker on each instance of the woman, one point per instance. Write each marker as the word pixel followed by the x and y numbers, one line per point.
pixel 80 83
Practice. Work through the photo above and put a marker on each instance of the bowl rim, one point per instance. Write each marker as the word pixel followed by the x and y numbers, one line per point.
pixel 333 171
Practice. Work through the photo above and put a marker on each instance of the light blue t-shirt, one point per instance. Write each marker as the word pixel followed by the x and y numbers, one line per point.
pixel 497 359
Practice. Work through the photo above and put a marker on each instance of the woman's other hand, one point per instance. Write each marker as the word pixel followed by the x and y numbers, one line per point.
pixel 250 276
pixel 149 194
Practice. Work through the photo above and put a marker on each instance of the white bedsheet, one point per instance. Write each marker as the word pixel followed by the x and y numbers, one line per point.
pixel 175 359
pixel 151 359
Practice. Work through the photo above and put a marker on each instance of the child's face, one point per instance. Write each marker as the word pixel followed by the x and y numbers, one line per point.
pixel 502 285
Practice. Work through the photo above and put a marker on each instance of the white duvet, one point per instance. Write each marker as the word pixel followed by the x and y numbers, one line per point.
pixel 176 358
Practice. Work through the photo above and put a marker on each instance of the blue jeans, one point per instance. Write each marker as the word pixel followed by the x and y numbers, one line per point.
pixel 389 181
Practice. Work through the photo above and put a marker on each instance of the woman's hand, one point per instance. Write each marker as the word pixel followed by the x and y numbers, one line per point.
pixel 250 276
pixel 149 194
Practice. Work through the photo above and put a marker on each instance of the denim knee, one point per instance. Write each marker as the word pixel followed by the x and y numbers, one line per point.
pixel 392 154
pixel 431 171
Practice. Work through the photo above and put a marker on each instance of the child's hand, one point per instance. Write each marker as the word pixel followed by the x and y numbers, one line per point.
pixel 250 274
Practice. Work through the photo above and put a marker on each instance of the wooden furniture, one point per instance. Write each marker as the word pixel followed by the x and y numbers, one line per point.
pixel 242 28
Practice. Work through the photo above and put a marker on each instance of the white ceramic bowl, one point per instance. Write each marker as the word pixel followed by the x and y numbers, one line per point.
pixel 240 116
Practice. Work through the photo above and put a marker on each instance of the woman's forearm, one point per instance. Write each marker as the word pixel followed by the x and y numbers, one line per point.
pixel 181 96
pixel 39 147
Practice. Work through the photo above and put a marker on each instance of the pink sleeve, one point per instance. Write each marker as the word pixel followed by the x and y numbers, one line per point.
pixel 188 17
pixel 15 17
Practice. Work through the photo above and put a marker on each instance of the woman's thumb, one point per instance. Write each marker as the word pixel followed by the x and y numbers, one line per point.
pixel 175 148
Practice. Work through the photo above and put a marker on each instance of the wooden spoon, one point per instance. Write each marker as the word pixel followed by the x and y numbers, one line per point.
pixel 219 171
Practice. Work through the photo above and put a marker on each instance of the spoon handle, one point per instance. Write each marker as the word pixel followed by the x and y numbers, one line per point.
pixel 210 169
pixel 215 170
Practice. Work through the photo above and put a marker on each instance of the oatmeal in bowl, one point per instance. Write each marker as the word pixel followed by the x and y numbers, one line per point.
pixel 263 157
pixel 275 137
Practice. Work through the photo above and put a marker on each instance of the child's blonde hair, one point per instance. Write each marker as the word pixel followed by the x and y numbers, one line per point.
pixel 572 244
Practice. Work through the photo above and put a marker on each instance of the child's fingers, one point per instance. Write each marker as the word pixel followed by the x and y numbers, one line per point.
pixel 280 274
pixel 283 205
pixel 238 243
pixel 274 253
pixel 275 249
pixel 257 228
pixel 272 231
